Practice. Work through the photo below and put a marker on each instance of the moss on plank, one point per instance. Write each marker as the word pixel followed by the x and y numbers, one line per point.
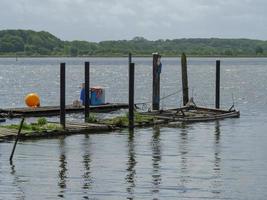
pixel 40 126
pixel 123 121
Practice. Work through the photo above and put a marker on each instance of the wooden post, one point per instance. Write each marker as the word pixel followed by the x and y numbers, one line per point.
pixel 131 96
pixel 184 79
pixel 62 95
pixel 86 89
pixel 130 58
pixel 217 92
pixel 156 83
pixel 16 141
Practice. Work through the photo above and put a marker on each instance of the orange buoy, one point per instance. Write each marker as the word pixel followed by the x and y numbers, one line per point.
pixel 32 100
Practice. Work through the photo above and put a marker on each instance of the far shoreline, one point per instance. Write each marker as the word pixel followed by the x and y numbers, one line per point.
pixel 125 56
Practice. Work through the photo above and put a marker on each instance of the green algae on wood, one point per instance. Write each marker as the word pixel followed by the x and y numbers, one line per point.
pixel 123 121
pixel 40 126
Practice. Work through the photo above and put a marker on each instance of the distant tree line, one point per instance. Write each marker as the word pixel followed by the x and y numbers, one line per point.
pixel 32 43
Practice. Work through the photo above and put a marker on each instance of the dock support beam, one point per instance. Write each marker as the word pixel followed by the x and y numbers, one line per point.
pixel 86 89
pixel 131 95
pixel 156 82
pixel 217 92
pixel 16 141
pixel 62 95
pixel 184 79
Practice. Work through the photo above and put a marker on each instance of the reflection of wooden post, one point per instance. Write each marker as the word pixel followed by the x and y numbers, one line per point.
pixel 131 96
pixel 62 95
pixel 217 95
pixel 156 83
pixel 86 90
pixel 184 79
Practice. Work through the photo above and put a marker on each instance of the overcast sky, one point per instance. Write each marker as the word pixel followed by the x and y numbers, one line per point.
pixel 98 20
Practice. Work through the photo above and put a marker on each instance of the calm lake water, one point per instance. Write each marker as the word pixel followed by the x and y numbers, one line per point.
pixel 216 160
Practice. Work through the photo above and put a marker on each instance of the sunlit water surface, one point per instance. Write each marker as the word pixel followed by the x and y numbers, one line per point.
pixel 215 160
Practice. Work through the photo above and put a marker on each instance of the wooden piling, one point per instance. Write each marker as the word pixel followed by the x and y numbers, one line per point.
pixel 131 95
pixel 156 83
pixel 184 79
pixel 62 95
pixel 86 89
pixel 130 58
pixel 16 141
pixel 217 90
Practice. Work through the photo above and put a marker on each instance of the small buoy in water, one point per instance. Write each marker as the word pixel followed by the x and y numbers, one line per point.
pixel 32 100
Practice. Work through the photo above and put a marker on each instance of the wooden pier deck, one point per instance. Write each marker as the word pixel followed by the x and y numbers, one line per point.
pixel 46 111
pixel 71 129
pixel 189 114
pixel 186 114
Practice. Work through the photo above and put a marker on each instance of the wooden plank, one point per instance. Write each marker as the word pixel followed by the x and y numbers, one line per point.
pixel 54 110
pixel 74 128
pixel 208 118
pixel 213 110
pixel 6 131
pixel 197 114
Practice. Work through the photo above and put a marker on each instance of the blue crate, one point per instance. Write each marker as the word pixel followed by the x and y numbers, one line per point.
pixel 97 96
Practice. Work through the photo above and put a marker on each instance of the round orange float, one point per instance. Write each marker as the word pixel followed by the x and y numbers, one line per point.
pixel 32 100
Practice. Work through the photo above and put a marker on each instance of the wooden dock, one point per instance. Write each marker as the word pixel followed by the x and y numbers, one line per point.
pixel 71 129
pixel 189 114
pixel 46 111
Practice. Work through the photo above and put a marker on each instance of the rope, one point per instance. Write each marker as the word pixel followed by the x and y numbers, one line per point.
pixel 144 104
pixel 171 94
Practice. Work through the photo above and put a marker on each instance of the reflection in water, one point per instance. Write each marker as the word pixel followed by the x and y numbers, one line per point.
pixel 16 181
pixel 156 158
pixel 183 152
pixel 217 132
pixel 217 160
pixel 217 146
pixel 62 168
pixel 87 179
pixel 130 177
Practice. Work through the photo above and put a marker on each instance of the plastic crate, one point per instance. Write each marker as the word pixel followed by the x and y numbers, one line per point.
pixel 97 96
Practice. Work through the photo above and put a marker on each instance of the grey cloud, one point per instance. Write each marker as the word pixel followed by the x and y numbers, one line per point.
pixel 97 20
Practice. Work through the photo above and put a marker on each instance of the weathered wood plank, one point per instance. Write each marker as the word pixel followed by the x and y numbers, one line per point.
pixel 201 118
pixel 55 110
pixel 72 128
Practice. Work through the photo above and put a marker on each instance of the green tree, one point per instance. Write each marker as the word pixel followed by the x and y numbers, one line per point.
pixel 259 50
pixel 10 43
pixel 73 51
